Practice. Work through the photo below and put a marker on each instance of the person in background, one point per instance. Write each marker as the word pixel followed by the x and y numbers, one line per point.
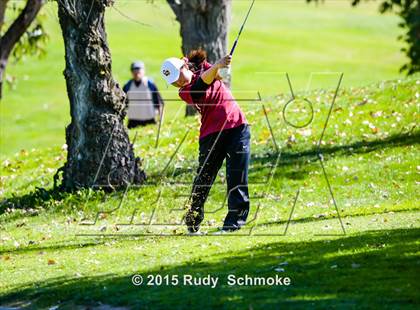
pixel 144 100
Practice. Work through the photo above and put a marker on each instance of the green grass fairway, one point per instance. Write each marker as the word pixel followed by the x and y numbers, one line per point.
pixel 281 36
pixel 370 154
pixel 362 252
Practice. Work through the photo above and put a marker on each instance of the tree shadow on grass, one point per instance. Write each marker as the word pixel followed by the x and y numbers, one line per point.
pixel 310 219
pixel 357 147
pixel 42 195
pixel 301 158
pixel 62 246
pixel 45 198
pixel 31 200
pixel 367 270
pixel 71 244
pixel 297 165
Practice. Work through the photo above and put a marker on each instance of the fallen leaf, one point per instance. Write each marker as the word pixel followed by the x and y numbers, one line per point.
pixel 376 114
pixel 51 262
pixel 375 130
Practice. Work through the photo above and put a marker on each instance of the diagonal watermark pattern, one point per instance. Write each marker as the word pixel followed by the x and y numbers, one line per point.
pixel 166 211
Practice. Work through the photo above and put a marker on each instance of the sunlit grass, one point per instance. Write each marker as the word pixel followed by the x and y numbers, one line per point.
pixel 370 155
pixel 281 36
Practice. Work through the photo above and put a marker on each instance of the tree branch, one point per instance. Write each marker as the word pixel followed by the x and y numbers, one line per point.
pixel 18 27
pixel 3 5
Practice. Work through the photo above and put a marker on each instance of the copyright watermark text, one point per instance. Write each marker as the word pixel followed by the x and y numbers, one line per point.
pixel 209 280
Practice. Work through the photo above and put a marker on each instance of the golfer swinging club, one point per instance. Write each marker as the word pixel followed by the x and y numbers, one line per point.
pixel 224 134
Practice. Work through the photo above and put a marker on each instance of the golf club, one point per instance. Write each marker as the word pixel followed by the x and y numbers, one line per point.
pixel 226 71
pixel 242 28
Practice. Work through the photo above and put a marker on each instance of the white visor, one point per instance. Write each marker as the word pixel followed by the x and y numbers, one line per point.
pixel 171 69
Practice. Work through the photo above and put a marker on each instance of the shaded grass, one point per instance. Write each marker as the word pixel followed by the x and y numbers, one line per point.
pixel 362 270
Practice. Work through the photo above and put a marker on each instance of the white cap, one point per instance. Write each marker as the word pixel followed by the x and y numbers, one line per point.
pixel 137 65
pixel 171 69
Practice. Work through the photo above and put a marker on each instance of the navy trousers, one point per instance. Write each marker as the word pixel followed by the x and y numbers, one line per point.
pixel 234 146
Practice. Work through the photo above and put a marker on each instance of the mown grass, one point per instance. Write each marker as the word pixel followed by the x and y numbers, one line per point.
pixel 370 149
pixel 371 257
pixel 362 270
pixel 281 36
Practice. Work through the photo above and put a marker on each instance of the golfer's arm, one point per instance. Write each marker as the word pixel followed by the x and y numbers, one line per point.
pixel 209 75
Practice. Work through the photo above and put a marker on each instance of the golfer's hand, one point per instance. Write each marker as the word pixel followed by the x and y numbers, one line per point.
pixel 224 62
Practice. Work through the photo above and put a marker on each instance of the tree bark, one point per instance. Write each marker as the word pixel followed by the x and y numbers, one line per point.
pixel 204 24
pixel 99 151
pixel 3 5
pixel 15 31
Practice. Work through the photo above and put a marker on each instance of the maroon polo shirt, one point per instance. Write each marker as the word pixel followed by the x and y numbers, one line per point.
pixel 218 108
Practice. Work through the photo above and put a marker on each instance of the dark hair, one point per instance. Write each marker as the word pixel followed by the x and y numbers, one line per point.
pixel 196 58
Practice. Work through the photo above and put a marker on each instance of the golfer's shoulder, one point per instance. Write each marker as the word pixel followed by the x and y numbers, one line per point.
pixel 199 85
pixel 185 93
pixel 206 65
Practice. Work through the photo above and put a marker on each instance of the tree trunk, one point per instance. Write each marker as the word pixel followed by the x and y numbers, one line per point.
pixel 15 31
pixel 205 24
pixel 99 151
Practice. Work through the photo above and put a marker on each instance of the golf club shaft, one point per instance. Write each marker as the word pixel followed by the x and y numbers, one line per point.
pixel 242 28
